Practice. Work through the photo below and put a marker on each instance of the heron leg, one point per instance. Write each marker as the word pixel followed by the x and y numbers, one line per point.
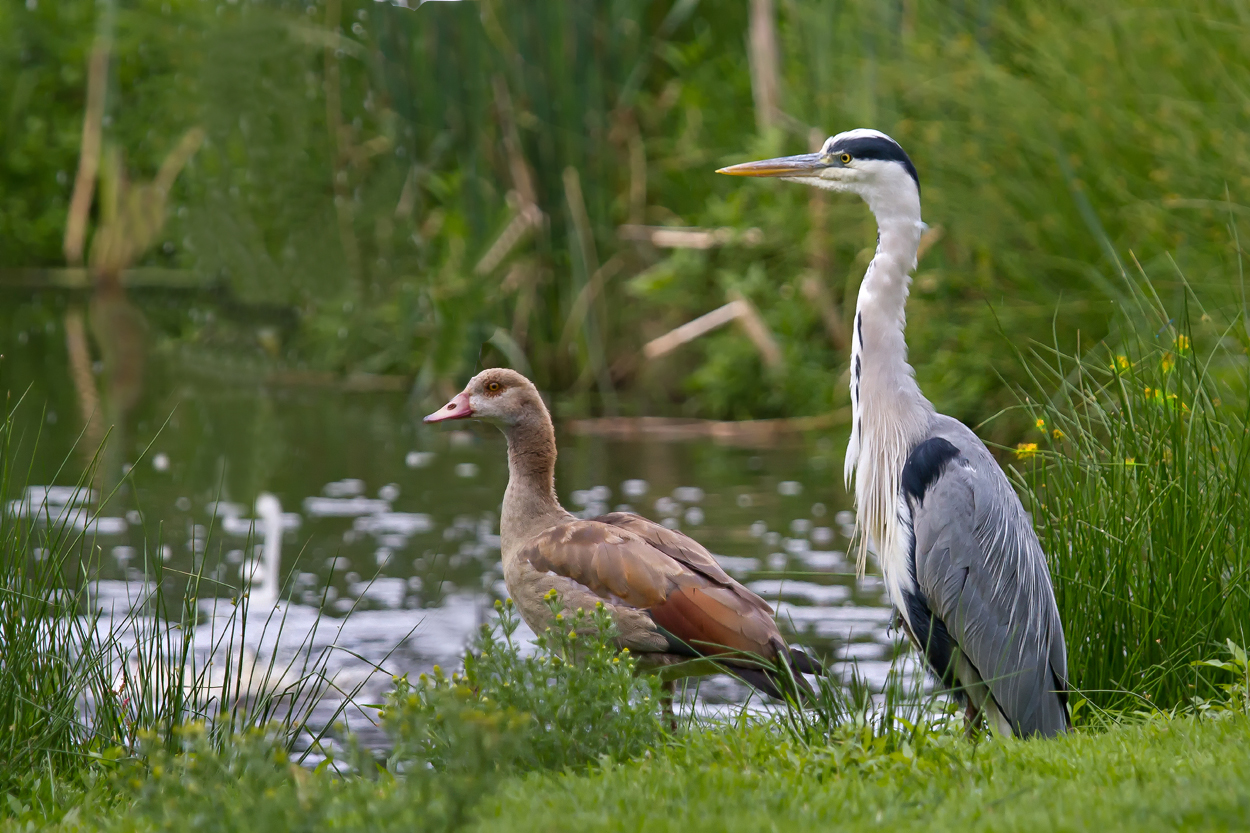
pixel 972 719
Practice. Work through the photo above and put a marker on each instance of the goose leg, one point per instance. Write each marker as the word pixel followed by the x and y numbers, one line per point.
pixel 667 689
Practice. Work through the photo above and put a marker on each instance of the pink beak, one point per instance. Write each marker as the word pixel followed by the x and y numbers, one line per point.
pixel 457 408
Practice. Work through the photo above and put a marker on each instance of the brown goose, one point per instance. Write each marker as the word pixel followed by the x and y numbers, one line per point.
pixel 671 600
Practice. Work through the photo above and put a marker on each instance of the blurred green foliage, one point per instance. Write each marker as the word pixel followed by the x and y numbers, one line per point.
pixel 364 159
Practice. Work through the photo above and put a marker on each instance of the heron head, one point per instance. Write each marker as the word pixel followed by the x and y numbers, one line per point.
pixel 499 396
pixel 864 162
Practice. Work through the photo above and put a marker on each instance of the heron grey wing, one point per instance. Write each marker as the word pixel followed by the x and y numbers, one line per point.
pixel 981 573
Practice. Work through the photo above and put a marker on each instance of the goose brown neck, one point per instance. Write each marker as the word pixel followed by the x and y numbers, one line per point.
pixel 530 500
pixel 532 452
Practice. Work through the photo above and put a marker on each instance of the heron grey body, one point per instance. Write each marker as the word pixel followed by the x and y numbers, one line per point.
pixel 960 559
pixel 973 590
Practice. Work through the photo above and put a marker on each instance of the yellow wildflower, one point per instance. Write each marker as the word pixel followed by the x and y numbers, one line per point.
pixel 1182 342
pixel 1041 424
pixel 1057 434
pixel 1026 450
pixel 1130 461
pixel 1168 362
pixel 1121 363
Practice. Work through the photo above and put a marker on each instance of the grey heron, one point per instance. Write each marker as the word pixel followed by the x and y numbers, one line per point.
pixel 961 561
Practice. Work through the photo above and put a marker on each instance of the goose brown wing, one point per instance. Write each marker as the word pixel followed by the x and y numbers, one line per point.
pixel 675 545
pixel 622 567
pixel 683 549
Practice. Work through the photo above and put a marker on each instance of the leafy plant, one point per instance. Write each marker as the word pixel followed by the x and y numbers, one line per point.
pixel 575 700
pixel 1237 693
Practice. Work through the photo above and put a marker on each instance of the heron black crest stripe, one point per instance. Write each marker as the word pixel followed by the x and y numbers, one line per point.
pixel 877 147
pixel 924 465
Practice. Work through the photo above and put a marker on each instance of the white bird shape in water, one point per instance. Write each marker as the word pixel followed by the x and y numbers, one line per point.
pixel 262 574
pixel 960 559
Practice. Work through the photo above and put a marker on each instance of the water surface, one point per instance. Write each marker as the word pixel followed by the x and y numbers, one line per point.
pixel 390 547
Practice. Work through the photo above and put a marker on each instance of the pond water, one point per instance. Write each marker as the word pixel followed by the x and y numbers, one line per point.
pixel 389 543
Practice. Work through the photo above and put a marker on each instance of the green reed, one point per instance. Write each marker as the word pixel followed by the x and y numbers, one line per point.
pixel 44 673
pixel 1138 477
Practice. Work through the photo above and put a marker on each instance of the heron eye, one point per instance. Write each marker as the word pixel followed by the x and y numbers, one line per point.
pixel 846 158
pixel 493 387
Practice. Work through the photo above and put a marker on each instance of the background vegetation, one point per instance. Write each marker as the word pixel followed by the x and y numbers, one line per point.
pixel 386 190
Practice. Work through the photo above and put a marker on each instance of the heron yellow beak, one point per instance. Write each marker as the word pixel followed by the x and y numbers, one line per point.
pixel 805 164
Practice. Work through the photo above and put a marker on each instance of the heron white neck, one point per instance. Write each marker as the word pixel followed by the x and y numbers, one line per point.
pixel 890 413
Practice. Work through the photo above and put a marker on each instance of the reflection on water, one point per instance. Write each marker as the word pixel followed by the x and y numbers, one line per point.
pixel 397 525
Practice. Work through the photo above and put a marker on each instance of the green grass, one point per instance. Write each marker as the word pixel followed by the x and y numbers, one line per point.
pixel 50 662
pixel 1162 773
pixel 1177 774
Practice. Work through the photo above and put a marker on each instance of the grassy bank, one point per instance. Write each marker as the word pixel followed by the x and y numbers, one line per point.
pixel 1181 773
pixel 1173 774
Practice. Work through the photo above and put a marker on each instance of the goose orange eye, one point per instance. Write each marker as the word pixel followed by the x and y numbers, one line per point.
pixel 846 158
pixel 493 387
